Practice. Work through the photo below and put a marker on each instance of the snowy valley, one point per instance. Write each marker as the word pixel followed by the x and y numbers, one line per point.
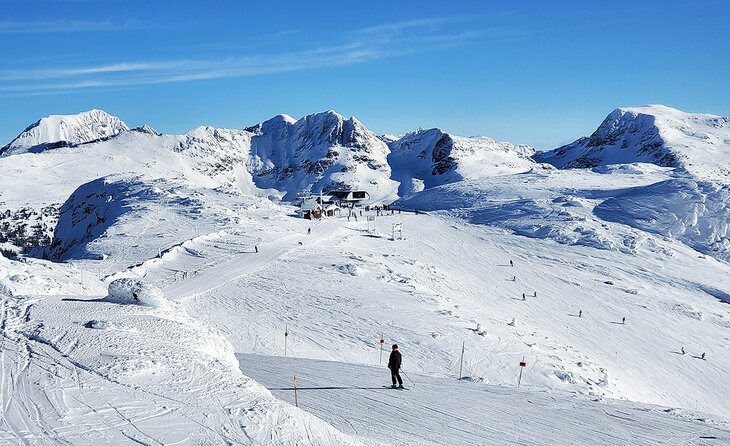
pixel 178 268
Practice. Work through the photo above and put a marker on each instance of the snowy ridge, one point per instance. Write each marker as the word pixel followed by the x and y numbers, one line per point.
pixel 696 143
pixel 428 158
pixel 63 130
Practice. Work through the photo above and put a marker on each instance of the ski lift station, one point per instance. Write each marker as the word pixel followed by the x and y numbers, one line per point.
pixel 349 198
pixel 315 208
pixel 329 205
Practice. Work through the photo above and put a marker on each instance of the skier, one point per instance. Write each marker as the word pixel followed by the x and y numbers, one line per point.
pixel 701 357
pixel 534 294
pixel 394 366
pixel 309 231
pixel 580 313
pixel 623 320
pixel 511 263
pixel 256 248
pixel 523 296
pixel 683 352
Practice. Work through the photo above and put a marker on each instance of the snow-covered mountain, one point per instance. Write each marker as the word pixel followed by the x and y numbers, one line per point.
pixel 696 143
pixel 322 151
pixel 692 205
pixel 428 158
pixel 169 255
pixel 275 158
pixel 64 130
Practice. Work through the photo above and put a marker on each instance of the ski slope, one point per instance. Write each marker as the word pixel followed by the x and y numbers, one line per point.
pixel 344 286
pixel 439 411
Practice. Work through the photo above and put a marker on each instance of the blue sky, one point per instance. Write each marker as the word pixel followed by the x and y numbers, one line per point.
pixel 537 72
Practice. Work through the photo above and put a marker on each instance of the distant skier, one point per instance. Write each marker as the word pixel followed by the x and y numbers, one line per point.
pixel 256 248
pixel 701 357
pixel 534 294
pixel 394 365
pixel 511 263
pixel 682 350
pixel 580 313
pixel 309 231
pixel 523 296
pixel 623 320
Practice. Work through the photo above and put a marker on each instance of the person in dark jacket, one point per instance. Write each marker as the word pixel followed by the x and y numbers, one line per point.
pixel 394 366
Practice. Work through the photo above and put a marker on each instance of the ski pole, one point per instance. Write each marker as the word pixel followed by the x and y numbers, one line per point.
pixel 408 377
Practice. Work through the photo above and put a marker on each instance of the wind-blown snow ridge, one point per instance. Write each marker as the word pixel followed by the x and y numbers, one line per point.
pixel 62 130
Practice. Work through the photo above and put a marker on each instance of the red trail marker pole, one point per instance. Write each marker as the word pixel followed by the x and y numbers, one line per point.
pixel 522 366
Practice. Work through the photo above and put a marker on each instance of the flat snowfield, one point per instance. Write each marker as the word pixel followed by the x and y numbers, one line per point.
pixel 439 411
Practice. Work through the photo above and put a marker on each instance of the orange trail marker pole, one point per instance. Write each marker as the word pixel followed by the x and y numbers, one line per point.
pixel 522 366
pixel 382 341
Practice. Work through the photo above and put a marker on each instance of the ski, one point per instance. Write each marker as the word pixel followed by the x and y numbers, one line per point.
pixel 396 388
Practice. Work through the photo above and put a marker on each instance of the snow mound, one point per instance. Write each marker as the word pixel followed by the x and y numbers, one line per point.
pixel 136 292
pixel 65 130
pixel 696 143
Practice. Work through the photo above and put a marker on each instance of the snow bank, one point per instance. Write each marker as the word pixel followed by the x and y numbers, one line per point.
pixel 133 291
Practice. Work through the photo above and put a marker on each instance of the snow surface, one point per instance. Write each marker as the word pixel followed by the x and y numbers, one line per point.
pixel 87 371
pixel 438 411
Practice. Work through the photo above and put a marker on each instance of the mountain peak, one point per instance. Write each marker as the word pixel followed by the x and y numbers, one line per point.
pixel 55 131
pixel 694 142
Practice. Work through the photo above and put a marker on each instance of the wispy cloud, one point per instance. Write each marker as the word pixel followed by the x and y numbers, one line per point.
pixel 358 46
pixel 63 26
